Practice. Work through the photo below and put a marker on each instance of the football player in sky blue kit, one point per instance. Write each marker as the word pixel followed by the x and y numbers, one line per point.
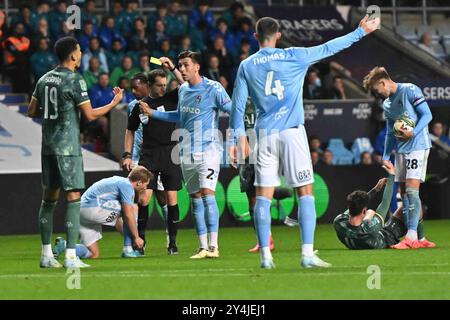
pixel 405 101
pixel 273 78
pixel 199 102
pixel 110 202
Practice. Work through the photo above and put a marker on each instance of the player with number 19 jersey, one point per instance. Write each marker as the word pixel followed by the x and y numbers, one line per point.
pixel 60 92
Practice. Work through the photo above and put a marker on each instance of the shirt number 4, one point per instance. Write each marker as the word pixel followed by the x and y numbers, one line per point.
pixel 278 90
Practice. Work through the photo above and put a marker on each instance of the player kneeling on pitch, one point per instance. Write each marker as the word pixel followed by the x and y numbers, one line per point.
pixel 110 202
pixel 363 228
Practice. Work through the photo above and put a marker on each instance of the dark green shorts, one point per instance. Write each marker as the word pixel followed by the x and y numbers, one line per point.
pixel 393 231
pixel 64 172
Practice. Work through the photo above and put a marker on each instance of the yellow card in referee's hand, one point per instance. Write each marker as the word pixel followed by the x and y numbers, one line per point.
pixel 155 61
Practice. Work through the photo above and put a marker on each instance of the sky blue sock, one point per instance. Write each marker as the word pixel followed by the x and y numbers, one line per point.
pixel 211 213
pixel 198 210
pixel 262 220
pixel 414 208
pixel 307 218
pixel 82 251
pixel 405 209
pixel 127 239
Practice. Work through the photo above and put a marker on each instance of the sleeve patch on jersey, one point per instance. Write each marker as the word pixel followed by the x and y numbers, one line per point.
pixel 418 101
pixel 83 85
pixel 84 94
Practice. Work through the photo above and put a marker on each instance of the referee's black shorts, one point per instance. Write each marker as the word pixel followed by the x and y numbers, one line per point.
pixel 159 162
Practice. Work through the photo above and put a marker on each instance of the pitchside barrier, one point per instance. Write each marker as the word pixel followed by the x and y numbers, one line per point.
pixel 21 197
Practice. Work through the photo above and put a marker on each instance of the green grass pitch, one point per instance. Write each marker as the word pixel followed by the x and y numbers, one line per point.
pixel 409 274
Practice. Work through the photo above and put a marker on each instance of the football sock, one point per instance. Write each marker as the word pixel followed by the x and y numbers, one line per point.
pixel 307 221
pixel 198 210
pixel 262 220
pixel 213 239
pixel 46 222
pixel 47 250
pixel 173 214
pixel 383 207
pixel 142 220
pixel 71 253
pixel 72 223
pixel 127 239
pixel 82 251
pixel 211 213
pixel 413 212
pixel 405 209
pixel 265 253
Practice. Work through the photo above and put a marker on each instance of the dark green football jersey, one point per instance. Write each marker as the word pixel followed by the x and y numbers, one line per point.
pixel 366 236
pixel 59 93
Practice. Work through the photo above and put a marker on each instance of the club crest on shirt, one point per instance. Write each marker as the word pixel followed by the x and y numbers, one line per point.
pixel 198 99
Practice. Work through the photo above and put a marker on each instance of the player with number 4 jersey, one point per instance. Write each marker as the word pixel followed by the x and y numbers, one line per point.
pixel 274 78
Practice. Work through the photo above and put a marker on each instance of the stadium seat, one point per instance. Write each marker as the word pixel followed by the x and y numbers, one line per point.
pixel 407 32
pixel 438 49
pixel 444 31
pixel 447 46
pixel 341 155
pixel 359 146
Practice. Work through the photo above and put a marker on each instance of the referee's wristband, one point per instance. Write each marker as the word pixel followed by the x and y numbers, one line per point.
pixel 126 155
pixel 173 69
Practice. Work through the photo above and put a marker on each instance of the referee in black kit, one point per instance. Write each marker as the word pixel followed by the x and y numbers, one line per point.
pixel 156 149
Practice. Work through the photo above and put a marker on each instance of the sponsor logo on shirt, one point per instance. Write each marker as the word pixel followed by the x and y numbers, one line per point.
pixel 190 110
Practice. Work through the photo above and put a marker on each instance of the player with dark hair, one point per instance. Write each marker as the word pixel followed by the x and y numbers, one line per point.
pixel 273 78
pixel 405 101
pixel 199 102
pixel 156 148
pixel 362 228
pixel 58 97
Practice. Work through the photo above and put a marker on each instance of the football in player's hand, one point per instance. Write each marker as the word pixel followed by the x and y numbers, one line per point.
pixel 402 127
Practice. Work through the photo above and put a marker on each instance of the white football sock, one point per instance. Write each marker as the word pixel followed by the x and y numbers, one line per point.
pixel 203 240
pixel 265 253
pixel 127 249
pixel 307 250
pixel 412 234
pixel 213 236
pixel 71 254
pixel 47 250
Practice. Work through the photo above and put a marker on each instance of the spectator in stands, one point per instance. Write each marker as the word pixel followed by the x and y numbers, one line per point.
pixel 94 51
pixel 165 50
pixel 57 17
pixel 108 33
pixel 43 60
pixel 174 23
pixel 126 70
pixel 425 43
pixel 139 40
pixel 160 14
pixel 315 158
pixel 158 36
pixel 231 42
pixel 17 54
pixel 128 18
pixel 118 14
pixel 201 13
pixel 337 92
pixel 65 31
pixel 378 157
pixel 91 75
pixel 116 55
pixel 199 36
pixel 312 88
pixel 327 158
pixel 315 144
pixel 185 44
pixel 42 31
pixel 225 84
pixel 213 70
pixel 246 31
pixel 85 36
pixel 42 10
pixel 101 93
pixel 88 14
pixel 366 159
pixel 437 129
pixel 225 59
pixel 233 15
pixel 124 83
pixel 144 62
pixel 27 18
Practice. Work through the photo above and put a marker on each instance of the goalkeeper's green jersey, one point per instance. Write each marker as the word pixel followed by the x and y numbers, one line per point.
pixel 59 94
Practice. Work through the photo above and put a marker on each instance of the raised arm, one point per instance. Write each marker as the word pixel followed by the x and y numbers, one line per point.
pixel 94 114
pixel 168 116
pixel 317 53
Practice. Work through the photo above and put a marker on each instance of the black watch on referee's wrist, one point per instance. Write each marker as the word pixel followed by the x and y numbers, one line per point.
pixel 126 155
pixel 173 69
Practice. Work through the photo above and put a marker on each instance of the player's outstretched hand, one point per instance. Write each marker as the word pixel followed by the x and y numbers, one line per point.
pixel 145 108
pixel 389 167
pixel 118 95
pixel 139 243
pixel 126 164
pixel 167 63
pixel 371 25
